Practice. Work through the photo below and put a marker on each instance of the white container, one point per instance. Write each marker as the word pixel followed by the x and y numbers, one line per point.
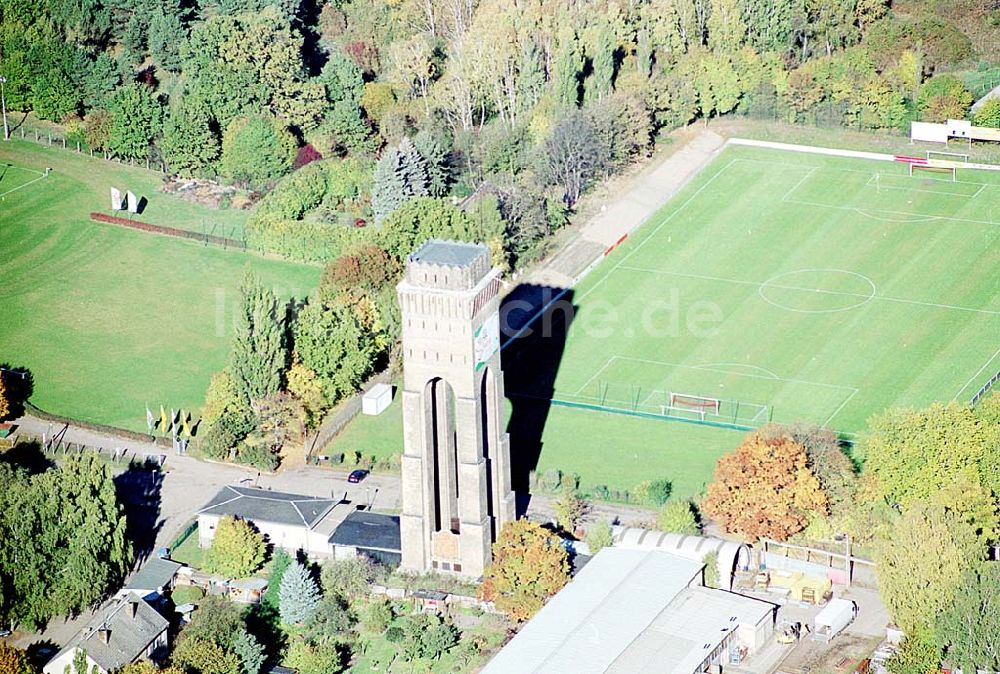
pixel 376 399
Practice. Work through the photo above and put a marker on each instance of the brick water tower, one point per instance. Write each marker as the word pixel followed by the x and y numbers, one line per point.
pixel 456 457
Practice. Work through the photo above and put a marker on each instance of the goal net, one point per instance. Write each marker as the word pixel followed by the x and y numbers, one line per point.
pixel 687 401
pixel 937 168
pixel 949 156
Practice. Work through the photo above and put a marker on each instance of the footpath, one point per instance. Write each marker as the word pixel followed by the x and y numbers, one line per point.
pixel 622 213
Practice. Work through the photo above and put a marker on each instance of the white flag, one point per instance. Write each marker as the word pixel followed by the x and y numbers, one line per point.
pixel 116 199
pixel 133 202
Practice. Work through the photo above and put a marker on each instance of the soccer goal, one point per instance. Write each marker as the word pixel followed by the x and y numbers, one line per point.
pixel 949 156
pixel 937 168
pixel 699 405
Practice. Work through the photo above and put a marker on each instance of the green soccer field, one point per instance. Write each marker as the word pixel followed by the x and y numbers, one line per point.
pixel 109 319
pixel 790 287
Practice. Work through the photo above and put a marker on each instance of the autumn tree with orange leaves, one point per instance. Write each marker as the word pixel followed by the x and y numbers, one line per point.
pixel 764 489
pixel 14 661
pixel 529 566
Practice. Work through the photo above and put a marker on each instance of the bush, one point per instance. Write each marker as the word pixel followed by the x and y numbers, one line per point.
pixel 678 517
pixel 658 492
pixel 256 149
pixel 600 493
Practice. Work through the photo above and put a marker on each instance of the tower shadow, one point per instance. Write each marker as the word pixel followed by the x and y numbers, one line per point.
pixel 138 490
pixel 535 321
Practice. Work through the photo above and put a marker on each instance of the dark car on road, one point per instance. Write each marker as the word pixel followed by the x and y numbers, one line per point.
pixel 357 475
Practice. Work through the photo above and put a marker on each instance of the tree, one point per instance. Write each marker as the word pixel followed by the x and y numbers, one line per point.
pixel 97 130
pixel 529 566
pixel 101 80
pixel 825 458
pixel 298 597
pixel 567 65
pixel 711 561
pixel 764 488
pixel 136 116
pixel 969 625
pixel 166 33
pixel 401 174
pixel 92 552
pixel 599 536
pixel 911 455
pixel 349 578
pixel 4 398
pixel 206 657
pixel 259 353
pixel 570 508
pixel 658 491
pixel 438 638
pixel 678 517
pixel 376 616
pixel 331 619
pixel 237 549
pixel 988 113
pixel 330 341
pixel 15 661
pixel 256 149
pixel 918 654
pixel 918 588
pixel 424 218
pixel 943 97
pixel 571 156
pixel 280 561
pixel 250 652
pixel 189 144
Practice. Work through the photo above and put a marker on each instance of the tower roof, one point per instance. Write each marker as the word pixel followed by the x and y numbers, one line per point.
pixel 449 253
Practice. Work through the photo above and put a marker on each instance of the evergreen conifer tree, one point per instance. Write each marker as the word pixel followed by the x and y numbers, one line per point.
pixel 401 173
pixel 259 350
pixel 298 596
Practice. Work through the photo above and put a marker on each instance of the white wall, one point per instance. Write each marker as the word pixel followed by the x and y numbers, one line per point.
pixel 291 538
pixel 59 664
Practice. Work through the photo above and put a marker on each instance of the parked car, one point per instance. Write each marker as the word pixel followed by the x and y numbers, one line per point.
pixel 357 476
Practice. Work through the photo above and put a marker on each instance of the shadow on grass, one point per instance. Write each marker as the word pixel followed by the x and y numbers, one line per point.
pixel 535 320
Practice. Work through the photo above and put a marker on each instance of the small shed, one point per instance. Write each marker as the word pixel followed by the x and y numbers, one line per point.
pixel 832 620
pixel 248 591
pixel 430 601
pixel 155 577
pixel 376 399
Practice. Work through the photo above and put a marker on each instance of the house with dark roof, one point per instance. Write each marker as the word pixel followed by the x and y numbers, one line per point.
pixel 126 630
pixel 366 533
pixel 290 521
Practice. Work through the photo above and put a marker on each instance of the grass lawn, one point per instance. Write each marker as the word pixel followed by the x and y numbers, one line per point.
pixel 189 553
pixel 603 449
pixel 109 319
pixel 784 286
pixel 797 287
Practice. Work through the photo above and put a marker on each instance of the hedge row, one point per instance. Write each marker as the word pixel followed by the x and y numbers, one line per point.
pixel 168 231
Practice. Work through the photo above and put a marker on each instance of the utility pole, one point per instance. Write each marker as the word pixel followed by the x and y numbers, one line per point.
pixel 3 104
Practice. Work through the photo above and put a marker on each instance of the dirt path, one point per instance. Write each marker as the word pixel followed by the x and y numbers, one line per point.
pixel 620 205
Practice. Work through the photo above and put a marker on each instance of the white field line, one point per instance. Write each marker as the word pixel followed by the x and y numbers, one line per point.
pixel 873 181
pixel 908 216
pixel 594 376
pixel 841 169
pixel 842 406
pixel 979 372
pixel 15 189
pixel 656 229
pixel 885 298
pixel 797 185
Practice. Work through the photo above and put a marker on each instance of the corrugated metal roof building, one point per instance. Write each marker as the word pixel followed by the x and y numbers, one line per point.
pixel 637 611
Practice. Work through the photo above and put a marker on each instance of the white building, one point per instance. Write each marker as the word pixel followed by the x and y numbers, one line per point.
pixel 637 611
pixel 320 527
pixel 290 521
